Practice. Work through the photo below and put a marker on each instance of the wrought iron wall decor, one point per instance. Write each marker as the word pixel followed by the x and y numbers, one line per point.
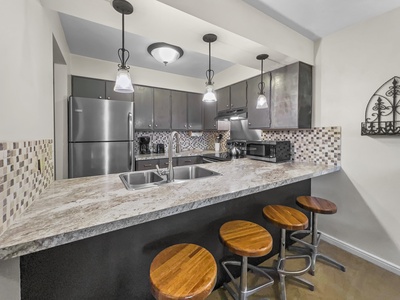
pixel 383 110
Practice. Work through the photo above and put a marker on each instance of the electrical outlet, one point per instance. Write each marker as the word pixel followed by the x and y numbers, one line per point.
pixel 40 164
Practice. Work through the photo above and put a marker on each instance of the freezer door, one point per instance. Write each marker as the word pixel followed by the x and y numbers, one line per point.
pixel 94 120
pixel 89 159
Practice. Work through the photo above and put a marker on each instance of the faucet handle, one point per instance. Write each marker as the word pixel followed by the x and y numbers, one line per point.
pixel 161 173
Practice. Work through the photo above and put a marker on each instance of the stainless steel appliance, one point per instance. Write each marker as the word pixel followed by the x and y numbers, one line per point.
pixel 271 151
pixel 101 137
pixel 144 145
pixel 240 145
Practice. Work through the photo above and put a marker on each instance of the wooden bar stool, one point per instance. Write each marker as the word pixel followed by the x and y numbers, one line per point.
pixel 246 239
pixel 287 218
pixel 183 271
pixel 315 206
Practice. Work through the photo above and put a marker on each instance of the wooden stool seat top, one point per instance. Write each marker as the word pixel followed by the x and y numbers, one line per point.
pixel 246 238
pixel 183 271
pixel 286 217
pixel 317 205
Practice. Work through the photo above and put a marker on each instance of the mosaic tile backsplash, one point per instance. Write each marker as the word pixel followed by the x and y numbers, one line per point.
pixel 189 141
pixel 21 182
pixel 318 145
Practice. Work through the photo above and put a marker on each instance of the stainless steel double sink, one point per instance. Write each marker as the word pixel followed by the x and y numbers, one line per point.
pixel 147 179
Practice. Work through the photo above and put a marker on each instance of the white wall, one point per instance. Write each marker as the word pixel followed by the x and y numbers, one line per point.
pixel 26 110
pixel 350 66
pixel 26 84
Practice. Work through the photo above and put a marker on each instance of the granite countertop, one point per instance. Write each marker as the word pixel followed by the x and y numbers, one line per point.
pixel 194 152
pixel 74 209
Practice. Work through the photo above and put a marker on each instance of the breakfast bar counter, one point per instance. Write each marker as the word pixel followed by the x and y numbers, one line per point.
pixel 75 209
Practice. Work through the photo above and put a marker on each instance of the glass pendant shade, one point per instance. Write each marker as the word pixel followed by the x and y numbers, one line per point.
pixel 123 83
pixel 209 95
pixel 261 102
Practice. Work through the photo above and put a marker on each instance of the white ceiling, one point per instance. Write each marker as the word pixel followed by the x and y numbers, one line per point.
pixel 93 29
pixel 316 19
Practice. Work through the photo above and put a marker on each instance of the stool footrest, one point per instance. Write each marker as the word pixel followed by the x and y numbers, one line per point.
pixel 248 291
pixel 281 265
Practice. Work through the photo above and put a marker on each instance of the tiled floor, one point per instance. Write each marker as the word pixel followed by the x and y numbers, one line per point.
pixel 361 281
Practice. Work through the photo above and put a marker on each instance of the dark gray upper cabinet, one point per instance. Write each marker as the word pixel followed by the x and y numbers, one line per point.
pixel 179 110
pixel 210 112
pixel 162 109
pixel 194 111
pixel 110 94
pixel 239 95
pixel 291 100
pixel 97 88
pixel 143 108
pixel 88 87
pixel 223 98
pixel 258 118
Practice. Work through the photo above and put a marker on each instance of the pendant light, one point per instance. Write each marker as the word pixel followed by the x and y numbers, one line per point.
pixel 209 95
pixel 165 53
pixel 123 83
pixel 262 100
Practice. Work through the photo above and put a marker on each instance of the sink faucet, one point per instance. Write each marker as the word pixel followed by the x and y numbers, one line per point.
pixel 170 174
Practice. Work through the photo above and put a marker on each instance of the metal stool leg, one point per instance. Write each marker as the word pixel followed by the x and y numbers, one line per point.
pixel 313 247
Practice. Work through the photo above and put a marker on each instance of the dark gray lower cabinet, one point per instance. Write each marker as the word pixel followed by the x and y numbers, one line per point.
pixel 163 163
pixel 148 164
pixel 189 160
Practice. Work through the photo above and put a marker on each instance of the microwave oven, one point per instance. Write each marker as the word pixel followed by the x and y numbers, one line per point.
pixel 271 151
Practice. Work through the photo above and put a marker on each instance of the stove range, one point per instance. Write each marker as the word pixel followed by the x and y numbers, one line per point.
pixel 221 156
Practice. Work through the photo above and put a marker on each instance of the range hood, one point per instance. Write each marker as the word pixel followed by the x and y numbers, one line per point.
pixel 232 114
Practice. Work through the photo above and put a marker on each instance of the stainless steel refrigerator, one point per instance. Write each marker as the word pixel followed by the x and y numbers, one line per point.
pixel 100 136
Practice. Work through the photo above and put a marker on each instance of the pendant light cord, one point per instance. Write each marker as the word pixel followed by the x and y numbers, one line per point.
pixel 209 72
pixel 261 85
pixel 122 51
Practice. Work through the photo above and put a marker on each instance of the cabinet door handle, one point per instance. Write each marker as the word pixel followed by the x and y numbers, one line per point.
pixel 249 123
pixel 156 125
pixel 100 97
pixel 231 105
pixel 190 126
pixel 215 125
pixel 188 161
pixel 227 105
pixel 149 125
pixel 108 98
pixel 185 125
pixel 149 165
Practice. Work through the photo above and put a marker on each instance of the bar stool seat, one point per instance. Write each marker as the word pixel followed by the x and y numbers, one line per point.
pixel 316 206
pixel 246 239
pixel 183 271
pixel 288 218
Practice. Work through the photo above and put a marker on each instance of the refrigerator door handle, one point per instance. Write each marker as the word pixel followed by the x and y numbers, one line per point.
pixel 130 139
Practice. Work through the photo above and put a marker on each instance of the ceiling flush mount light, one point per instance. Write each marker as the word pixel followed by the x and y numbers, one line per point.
pixel 262 100
pixel 165 53
pixel 123 83
pixel 209 95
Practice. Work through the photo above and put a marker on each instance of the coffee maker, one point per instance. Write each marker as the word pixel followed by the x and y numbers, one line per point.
pixel 144 145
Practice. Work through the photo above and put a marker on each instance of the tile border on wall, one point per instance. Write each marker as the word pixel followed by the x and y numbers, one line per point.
pixel 21 180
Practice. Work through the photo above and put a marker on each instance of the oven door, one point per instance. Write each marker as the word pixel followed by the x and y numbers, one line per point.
pixel 258 150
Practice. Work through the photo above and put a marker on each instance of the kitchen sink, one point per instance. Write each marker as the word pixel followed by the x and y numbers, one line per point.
pixel 141 180
pixel 192 172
